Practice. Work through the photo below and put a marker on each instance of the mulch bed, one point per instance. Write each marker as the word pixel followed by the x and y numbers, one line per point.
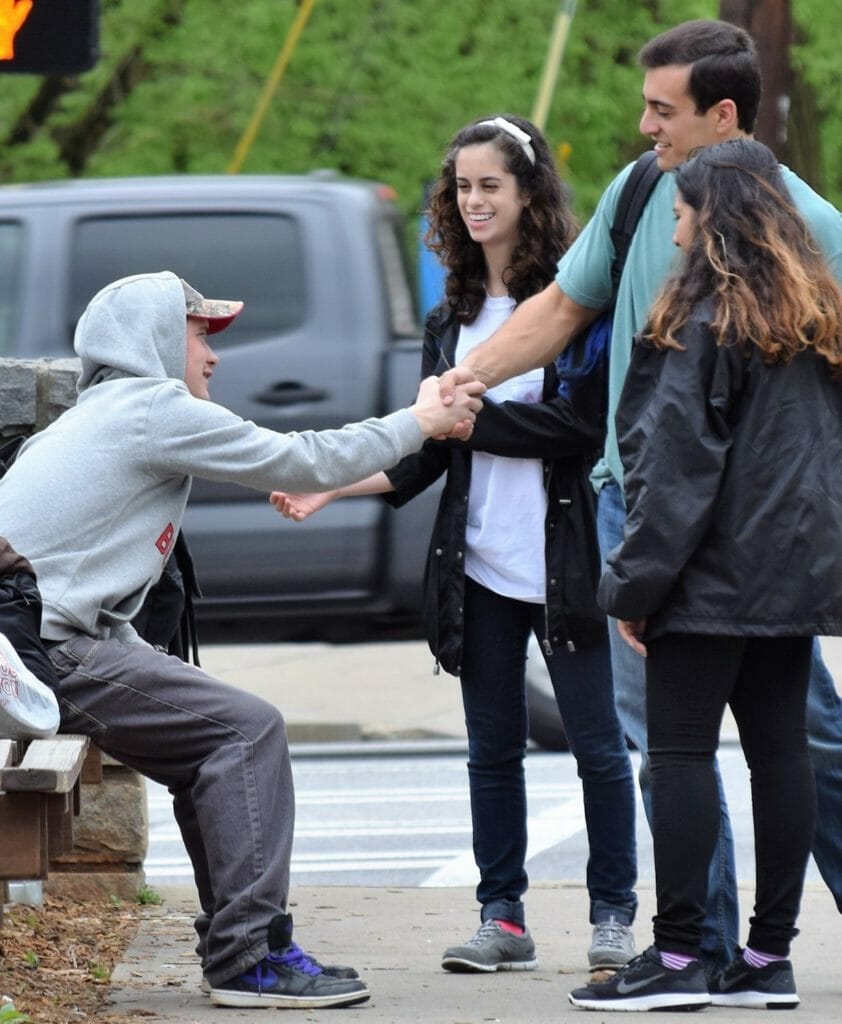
pixel 56 960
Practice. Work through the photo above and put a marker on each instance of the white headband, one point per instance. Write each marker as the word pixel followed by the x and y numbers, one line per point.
pixel 516 133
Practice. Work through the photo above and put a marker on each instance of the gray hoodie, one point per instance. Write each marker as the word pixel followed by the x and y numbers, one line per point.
pixel 95 501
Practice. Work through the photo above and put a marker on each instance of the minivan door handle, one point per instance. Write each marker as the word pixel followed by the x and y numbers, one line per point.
pixel 290 392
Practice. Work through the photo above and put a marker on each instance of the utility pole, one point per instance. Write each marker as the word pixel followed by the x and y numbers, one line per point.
pixel 770 24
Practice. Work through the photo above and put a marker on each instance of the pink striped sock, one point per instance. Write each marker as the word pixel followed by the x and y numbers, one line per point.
pixel 675 961
pixel 754 958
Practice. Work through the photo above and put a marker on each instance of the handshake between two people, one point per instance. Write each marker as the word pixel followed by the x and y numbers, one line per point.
pixel 445 407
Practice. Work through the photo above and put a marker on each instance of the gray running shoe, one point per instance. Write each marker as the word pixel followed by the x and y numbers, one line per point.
pixel 492 948
pixel 612 945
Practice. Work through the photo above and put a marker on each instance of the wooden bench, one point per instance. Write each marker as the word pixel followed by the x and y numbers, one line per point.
pixel 39 797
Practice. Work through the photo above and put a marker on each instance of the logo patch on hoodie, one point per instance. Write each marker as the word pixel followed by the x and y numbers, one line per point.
pixel 164 542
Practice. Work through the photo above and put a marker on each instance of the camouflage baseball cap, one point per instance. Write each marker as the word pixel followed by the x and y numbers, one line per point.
pixel 218 312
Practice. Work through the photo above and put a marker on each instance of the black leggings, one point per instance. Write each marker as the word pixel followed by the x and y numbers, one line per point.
pixel 689 680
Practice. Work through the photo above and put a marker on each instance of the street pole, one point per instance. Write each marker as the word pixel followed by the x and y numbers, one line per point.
pixel 555 52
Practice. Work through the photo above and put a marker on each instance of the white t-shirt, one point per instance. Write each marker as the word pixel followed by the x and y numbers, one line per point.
pixel 507 503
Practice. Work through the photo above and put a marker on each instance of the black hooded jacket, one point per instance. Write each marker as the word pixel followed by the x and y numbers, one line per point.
pixel 567 443
pixel 733 483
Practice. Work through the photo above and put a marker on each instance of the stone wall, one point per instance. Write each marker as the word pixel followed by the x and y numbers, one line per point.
pixel 111 831
pixel 34 392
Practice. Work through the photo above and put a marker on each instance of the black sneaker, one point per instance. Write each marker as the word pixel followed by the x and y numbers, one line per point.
pixel 331 970
pixel 740 984
pixel 645 984
pixel 288 979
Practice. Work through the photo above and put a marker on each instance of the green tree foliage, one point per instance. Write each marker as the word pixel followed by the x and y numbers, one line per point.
pixel 815 58
pixel 375 88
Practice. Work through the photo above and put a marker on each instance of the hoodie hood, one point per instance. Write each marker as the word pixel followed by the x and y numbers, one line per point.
pixel 134 327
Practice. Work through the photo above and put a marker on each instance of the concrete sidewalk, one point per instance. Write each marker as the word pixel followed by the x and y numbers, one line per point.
pixel 395 937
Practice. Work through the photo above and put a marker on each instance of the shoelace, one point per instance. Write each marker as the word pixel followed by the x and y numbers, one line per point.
pixel 296 958
pixel 609 935
pixel 486 931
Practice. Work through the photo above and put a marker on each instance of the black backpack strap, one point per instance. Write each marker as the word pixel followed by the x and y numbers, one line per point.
pixel 582 366
pixel 635 195
pixel 189 633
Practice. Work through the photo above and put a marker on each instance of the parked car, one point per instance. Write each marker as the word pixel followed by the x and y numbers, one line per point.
pixel 329 336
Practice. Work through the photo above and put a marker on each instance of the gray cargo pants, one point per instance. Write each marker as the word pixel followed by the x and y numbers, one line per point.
pixel 222 753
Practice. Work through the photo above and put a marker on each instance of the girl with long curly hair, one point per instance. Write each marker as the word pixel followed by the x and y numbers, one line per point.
pixel 514 548
pixel 731 560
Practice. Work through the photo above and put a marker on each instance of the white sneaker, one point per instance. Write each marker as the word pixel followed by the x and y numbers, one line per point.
pixel 28 708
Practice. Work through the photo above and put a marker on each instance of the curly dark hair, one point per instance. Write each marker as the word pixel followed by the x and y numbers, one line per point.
pixel 753 255
pixel 547 226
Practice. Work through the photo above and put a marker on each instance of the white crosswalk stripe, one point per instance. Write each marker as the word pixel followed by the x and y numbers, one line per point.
pixel 350 822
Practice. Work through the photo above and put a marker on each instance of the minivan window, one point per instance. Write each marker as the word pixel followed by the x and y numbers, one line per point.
pixel 401 306
pixel 11 234
pixel 254 257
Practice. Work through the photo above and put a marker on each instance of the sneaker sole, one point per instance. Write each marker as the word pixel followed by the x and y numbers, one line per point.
pixel 463 966
pixel 255 1000
pixel 605 964
pixel 756 1000
pixel 633 1004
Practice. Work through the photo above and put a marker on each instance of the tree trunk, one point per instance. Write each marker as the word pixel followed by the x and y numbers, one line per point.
pixel 770 23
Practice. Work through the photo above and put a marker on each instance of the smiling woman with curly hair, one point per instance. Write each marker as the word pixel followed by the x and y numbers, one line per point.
pixel 545 230
pixel 514 549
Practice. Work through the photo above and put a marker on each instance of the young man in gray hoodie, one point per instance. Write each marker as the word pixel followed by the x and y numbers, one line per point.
pixel 96 502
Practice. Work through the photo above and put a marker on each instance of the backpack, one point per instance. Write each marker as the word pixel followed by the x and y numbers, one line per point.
pixel 582 367
pixel 166 618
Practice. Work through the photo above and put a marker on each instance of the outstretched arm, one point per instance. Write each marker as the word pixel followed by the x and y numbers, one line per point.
pixel 300 506
pixel 532 337
pixel 432 416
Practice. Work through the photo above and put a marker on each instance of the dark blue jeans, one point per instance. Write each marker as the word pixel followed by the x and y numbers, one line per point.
pixel 496 632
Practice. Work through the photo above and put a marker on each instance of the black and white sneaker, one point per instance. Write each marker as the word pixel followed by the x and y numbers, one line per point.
pixel 331 970
pixel 645 984
pixel 740 984
pixel 288 979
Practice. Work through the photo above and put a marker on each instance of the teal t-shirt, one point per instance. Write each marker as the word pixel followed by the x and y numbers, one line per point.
pixel 584 274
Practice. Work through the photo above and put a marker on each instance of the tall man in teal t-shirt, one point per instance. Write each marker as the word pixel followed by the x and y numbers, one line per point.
pixel 701 87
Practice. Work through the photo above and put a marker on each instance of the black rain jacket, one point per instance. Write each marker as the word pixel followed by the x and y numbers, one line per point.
pixel 567 443
pixel 733 484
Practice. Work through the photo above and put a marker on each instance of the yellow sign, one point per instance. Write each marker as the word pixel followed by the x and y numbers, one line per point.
pixel 13 13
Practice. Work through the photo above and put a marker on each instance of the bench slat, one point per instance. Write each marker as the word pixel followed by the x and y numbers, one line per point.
pixel 48 766
pixel 8 753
